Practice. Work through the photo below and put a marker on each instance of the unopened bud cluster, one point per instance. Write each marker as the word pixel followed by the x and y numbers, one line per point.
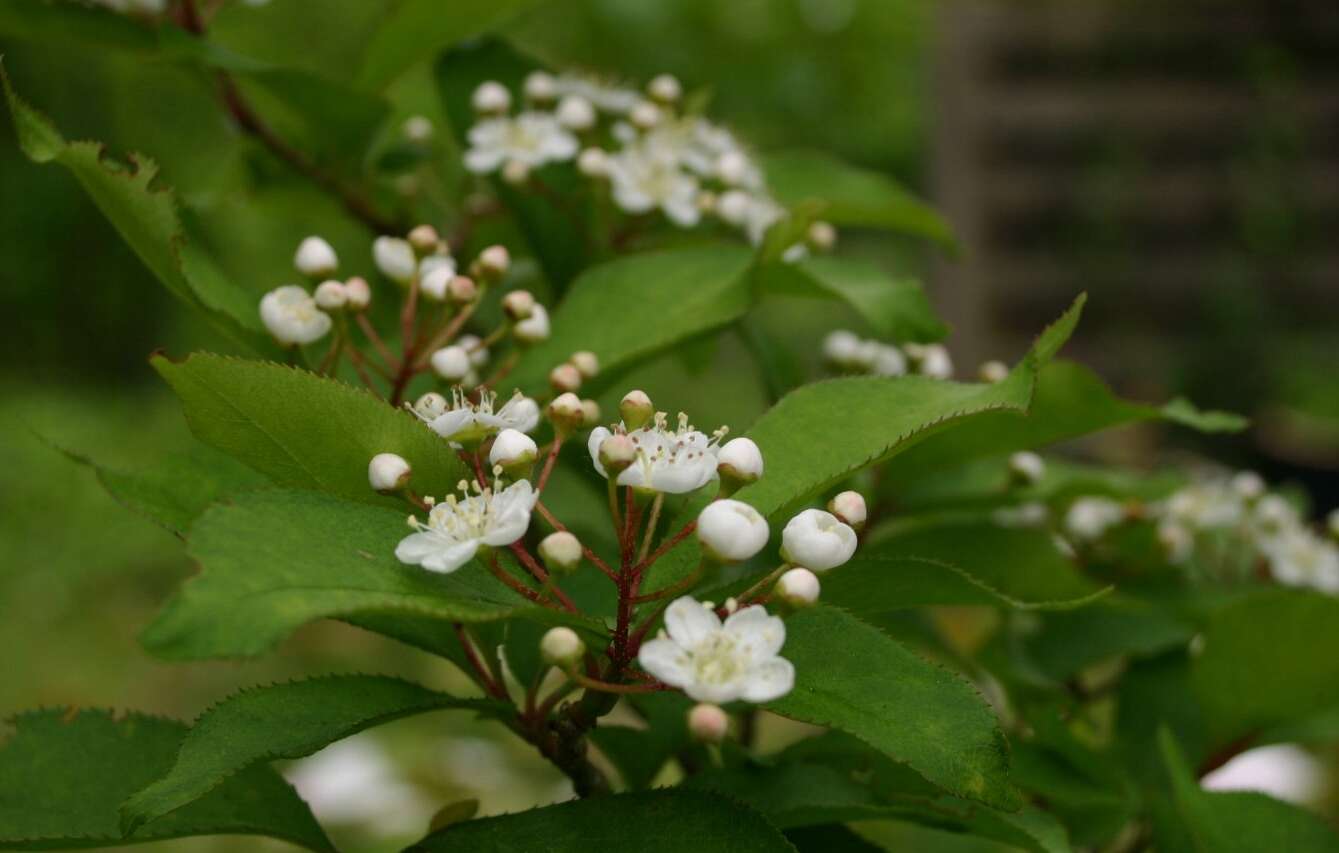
pixel 652 156
pixel 847 352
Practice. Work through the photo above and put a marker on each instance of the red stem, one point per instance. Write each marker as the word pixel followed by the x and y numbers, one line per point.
pixel 548 464
pixel 486 679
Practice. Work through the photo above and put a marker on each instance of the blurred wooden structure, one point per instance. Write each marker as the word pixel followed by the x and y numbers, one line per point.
pixel 1161 156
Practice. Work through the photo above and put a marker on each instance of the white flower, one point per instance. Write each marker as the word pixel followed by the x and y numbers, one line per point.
pixel 817 540
pixel 741 459
pixel 395 258
pixel 316 258
pixel 933 361
pixel 388 472
pixel 643 180
pixel 1299 557
pixel 1206 505
pixel 456 528
pixel 712 662
pixel 291 315
pixel 469 421
pixel 436 272
pixel 1273 513
pixel 674 461
pixel 606 96
pixel 798 588
pixel 478 354
pixel 841 347
pixel 731 531
pixel 540 86
pixel 665 88
pixel 593 163
pixel 531 139
pixel 534 328
pixel 1089 518
pixel 1248 484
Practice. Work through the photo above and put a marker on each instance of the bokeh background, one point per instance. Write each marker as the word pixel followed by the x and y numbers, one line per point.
pixel 1179 161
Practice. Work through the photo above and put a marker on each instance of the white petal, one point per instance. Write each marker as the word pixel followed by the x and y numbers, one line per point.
pixel 717 694
pixel 666 660
pixel 597 437
pixel 760 636
pixel 481 161
pixel 447 560
pixel 689 623
pixel 769 680
pixel 415 547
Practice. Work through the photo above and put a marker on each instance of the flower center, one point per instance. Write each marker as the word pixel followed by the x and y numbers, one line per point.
pixel 717 660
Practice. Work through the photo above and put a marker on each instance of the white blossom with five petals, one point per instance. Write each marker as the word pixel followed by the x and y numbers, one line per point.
pixel 674 461
pixel 292 316
pixel 466 420
pixel 530 139
pixel 458 527
pixel 713 661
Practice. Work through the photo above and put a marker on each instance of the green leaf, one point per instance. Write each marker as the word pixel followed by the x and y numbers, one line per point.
pixel 44 21
pixel 304 430
pixel 66 772
pixel 830 838
pixel 273 561
pixel 895 308
pixel 1239 678
pixel 146 217
pixel 278 721
pixel 858 784
pixel 851 677
pixel 1234 822
pixel 822 433
pixel 879 582
pixel 417 30
pixel 632 308
pixel 852 196
pixel 640 753
pixel 665 821
pixel 1069 642
pixel 174 489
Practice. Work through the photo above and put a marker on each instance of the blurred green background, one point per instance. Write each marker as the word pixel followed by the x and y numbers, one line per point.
pixel 865 79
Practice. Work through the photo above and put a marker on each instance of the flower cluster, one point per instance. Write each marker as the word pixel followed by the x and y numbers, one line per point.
pixel 714 655
pixel 653 157
pixel 847 352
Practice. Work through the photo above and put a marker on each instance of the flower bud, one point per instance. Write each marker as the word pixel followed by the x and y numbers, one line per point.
pixel 1247 484
pixel 636 409
pixel 473 345
pixel 418 129
pixel 518 304
pixel 593 163
pixel 888 361
pixel 564 377
pixel 732 168
pixel 331 295
pixel 1026 468
pixel 850 508
pixel 514 451
pixel 561 647
pixel 590 413
pixel 575 113
pixel 566 413
pixel 540 86
pixel 292 316
pixel 430 405
pixel 515 172
pixel 534 328
pixel 665 88
pixel 491 97
pixel 462 290
pixel 645 115
pixel 436 282
pixel 494 262
pixel 358 292
pixel 739 461
pixel 733 206
pixel 798 588
pixel 707 723
pixel 424 239
pixel 821 236
pixel 451 363
pixel 315 258
pixel 616 453
pixel 817 540
pixel 388 472
pixel 560 551
pixel 933 360
pixel 992 371
pixel 586 362
pixel 841 347
pixel 395 258
pixel 731 531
